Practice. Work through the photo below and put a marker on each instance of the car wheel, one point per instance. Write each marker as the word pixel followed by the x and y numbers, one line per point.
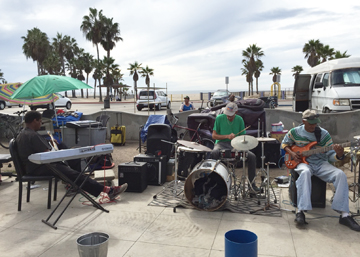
pixel 68 105
pixel 21 105
pixel 33 108
pixel 326 110
pixel 158 107
pixel 2 105
pixel 169 105
pixel 139 108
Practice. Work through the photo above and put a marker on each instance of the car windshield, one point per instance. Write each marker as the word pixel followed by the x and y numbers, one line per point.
pixel 221 93
pixel 346 77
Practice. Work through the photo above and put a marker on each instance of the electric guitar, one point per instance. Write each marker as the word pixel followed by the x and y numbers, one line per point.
pixel 306 152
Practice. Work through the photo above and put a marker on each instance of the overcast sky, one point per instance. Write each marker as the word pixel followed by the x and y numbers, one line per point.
pixel 190 44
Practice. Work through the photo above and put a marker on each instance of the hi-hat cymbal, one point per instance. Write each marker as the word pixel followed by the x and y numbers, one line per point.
pixel 244 142
pixel 265 139
pixel 194 145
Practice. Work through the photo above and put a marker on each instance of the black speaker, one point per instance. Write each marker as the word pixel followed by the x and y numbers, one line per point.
pixel 156 133
pixel 156 168
pixel 271 153
pixel 318 191
pixel 135 174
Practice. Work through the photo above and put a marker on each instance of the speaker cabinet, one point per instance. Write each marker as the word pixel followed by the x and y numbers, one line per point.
pixel 135 174
pixel 318 191
pixel 156 168
pixel 157 133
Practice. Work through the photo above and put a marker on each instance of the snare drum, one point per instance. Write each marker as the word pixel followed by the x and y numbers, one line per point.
pixel 187 158
pixel 231 154
pixel 208 185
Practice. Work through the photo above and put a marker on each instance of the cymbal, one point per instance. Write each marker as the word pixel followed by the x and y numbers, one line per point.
pixel 244 142
pixel 265 139
pixel 194 145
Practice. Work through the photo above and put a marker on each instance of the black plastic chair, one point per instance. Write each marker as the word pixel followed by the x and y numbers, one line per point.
pixel 22 177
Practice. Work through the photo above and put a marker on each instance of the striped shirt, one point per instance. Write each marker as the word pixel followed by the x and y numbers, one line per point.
pixel 300 137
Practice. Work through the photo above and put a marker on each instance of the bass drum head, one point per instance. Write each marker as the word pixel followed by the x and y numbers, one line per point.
pixel 208 185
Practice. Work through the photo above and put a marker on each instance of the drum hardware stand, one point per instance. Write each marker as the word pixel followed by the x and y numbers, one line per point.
pixel 231 167
pixel 356 184
pixel 268 205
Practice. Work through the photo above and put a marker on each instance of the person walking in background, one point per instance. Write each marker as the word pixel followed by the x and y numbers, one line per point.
pixel 186 106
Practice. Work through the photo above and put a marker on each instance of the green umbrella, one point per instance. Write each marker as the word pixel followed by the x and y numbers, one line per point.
pixel 47 84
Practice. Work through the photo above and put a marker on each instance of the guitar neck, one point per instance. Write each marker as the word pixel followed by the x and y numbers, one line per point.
pixel 323 149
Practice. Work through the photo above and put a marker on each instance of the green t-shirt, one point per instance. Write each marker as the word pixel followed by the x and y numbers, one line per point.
pixel 223 126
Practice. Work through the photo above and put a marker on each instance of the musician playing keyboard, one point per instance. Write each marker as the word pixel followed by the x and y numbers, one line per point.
pixel 30 142
pixel 318 165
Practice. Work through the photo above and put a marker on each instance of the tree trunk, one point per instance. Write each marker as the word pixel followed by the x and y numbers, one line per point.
pixel 95 89
pixel 100 100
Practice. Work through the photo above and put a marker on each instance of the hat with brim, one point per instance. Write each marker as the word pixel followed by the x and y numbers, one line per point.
pixel 231 109
pixel 311 117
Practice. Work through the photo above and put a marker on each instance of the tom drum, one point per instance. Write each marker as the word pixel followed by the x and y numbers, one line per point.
pixel 187 158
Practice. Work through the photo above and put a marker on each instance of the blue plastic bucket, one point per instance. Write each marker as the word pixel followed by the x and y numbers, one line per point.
pixel 240 243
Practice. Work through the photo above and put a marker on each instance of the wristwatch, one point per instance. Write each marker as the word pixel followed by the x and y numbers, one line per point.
pixel 340 158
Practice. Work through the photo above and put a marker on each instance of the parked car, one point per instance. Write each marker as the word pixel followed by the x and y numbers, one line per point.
pixel 61 102
pixel 155 98
pixel 219 97
pixel 4 104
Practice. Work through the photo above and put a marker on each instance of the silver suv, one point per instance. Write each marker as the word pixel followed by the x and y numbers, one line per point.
pixel 155 98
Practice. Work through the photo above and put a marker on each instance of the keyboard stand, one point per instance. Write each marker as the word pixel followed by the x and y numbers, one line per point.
pixel 79 190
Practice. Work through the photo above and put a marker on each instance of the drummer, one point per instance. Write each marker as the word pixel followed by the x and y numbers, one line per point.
pixel 227 126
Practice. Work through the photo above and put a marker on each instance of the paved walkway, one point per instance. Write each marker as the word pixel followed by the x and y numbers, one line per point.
pixel 137 229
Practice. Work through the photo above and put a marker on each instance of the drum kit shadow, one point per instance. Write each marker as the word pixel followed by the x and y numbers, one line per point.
pixel 199 190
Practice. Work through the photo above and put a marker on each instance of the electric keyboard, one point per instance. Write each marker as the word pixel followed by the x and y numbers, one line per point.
pixel 69 154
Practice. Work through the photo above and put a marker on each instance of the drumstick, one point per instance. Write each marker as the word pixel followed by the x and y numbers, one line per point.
pixel 242 130
pixel 53 141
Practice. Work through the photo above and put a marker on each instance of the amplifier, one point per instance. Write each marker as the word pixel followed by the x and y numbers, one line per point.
pixel 156 168
pixel 135 174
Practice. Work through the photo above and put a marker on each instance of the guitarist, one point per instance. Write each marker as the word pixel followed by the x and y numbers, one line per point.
pixel 319 166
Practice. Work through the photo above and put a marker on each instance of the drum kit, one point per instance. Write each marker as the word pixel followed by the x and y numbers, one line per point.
pixel 209 182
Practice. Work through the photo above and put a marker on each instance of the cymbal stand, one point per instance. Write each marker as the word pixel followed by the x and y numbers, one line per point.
pixel 244 179
pixel 268 205
pixel 231 164
pixel 175 182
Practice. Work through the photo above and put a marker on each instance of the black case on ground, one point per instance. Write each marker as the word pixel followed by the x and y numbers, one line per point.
pixel 156 168
pixel 318 191
pixel 135 174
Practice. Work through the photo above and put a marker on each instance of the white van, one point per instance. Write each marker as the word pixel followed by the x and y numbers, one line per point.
pixel 330 86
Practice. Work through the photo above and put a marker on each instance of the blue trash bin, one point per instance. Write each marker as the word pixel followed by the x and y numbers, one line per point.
pixel 240 243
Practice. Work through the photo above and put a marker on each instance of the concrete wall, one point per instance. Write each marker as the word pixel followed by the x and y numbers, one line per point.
pixel 342 126
pixel 133 121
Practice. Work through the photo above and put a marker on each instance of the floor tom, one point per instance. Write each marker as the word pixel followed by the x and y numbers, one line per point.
pixel 187 158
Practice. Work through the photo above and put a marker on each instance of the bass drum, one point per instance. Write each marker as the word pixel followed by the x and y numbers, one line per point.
pixel 188 158
pixel 208 185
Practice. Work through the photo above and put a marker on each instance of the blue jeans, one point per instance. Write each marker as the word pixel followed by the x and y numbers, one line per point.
pixel 328 173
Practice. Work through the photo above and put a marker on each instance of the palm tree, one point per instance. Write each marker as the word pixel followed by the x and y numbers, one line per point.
pixel 60 44
pixel 146 73
pixel 259 67
pixel 245 71
pixel 99 66
pixel 88 67
pixel 2 79
pixel 311 51
pixel 339 55
pixel 134 67
pixel 297 69
pixel 326 52
pixel 52 63
pixel 111 35
pixel 251 54
pixel 92 27
pixel 36 46
pixel 275 71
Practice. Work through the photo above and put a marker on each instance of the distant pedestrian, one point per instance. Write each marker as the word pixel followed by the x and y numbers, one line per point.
pixel 186 106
